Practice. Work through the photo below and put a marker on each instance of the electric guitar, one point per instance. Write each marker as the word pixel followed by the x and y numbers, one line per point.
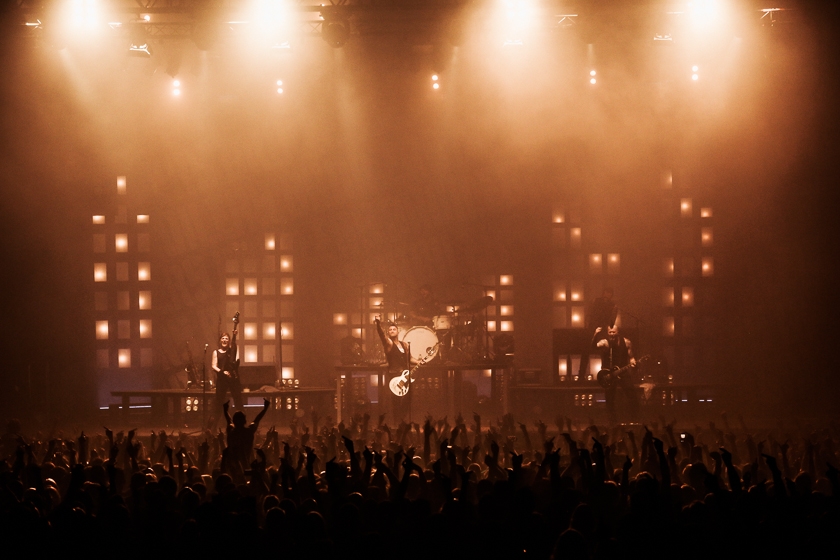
pixel 400 384
pixel 609 378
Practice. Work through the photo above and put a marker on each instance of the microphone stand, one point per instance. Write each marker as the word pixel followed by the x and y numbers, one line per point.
pixel 204 385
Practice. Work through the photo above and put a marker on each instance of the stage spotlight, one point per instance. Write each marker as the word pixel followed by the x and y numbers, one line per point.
pixel 694 73
pixel 592 79
pixel 335 32
pixel 435 82
pixel 280 91
pixel 176 88
pixel 138 41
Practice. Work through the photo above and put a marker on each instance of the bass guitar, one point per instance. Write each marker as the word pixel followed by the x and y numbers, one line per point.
pixel 609 378
pixel 400 384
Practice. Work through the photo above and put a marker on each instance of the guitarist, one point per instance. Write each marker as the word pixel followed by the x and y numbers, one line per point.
pixel 226 367
pixel 399 359
pixel 617 352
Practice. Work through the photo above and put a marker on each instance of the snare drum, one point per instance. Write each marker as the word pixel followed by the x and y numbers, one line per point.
pixel 423 343
pixel 442 322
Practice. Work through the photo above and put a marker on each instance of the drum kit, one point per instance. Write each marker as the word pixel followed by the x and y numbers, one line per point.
pixel 459 335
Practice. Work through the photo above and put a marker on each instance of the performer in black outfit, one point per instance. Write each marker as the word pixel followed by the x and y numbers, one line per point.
pixel 399 359
pixel 227 378
pixel 602 315
pixel 617 352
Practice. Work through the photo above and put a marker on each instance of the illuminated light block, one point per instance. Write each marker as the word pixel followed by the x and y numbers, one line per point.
pixel 269 331
pixel 98 219
pixel 563 368
pixel 668 267
pixel 100 272
pixel 287 263
pixel 375 302
pixel 594 366
pixel 488 293
pixel 99 243
pixel 374 380
pixel 558 217
pixel 122 272
pixel 506 326
pixel 145 328
pixel 124 358
pixel 668 326
pixel 685 207
pixel 269 242
pixel 121 243
pixel 706 237
pixel 687 298
pixel 377 288
pixel 142 218
pixel 287 331
pixel 578 317
pixel 250 286
pixel 288 372
pixel 506 310
pixel 706 212
pixel 707 266
pixel 491 326
pixel 101 330
pixel 575 237
pixel 339 318
pixel 487 373
pixel 359 332
pixel 287 286
pixel 560 291
pixel 144 271
pixel 595 263
pixel 577 291
pixel 123 329
pixel 251 353
pixel 144 300
pixel 668 297
pixel 666 179
pixel 121 184
pixel 613 263
pixel 249 331
pixel 506 280
pixel 232 286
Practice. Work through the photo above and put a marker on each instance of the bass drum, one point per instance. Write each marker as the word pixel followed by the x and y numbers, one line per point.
pixel 423 343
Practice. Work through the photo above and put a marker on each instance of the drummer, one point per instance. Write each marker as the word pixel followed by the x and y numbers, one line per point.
pixel 424 308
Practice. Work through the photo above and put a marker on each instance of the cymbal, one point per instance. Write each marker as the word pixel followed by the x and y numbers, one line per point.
pixel 477 305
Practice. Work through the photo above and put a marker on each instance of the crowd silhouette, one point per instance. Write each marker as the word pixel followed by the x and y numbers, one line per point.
pixel 438 489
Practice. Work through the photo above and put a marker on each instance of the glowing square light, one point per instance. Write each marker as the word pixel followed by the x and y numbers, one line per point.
pixel 100 272
pixel 558 217
pixel 666 179
pixel 377 288
pixel 251 353
pixel 687 296
pixel 144 271
pixel 685 207
pixel 269 242
pixel 506 326
pixel 506 280
pixel 668 267
pixel 577 291
pixel 358 333
pixel 250 285
pixel 706 212
pixel 613 263
pixel 339 318
pixel 707 266
pixel 101 330
pixel 506 310
pixel 121 243
pixel 578 317
pixel 706 237
pixel 98 219
pixel 121 184
pixel 491 326
pixel 124 358
pixel 575 237
pixel 668 326
pixel 269 331
pixel 144 300
pixel 287 331
pixel 287 264
pixel 232 286
pixel 490 293
pixel 668 297
pixel 288 373
pixel 375 302
pixel 142 218
pixel 559 291
pixel 249 331
pixel 287 286
pixel 145 328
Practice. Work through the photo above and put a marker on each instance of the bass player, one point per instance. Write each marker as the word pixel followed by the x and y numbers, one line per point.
pixel 617 352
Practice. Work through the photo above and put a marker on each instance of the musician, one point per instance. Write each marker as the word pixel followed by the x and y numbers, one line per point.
pixel 617 352
pixel 424 308
pixel 224 364
pixel 396 351
pixel 602 315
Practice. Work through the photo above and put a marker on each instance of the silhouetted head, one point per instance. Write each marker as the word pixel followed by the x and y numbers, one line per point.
pixel 238 419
